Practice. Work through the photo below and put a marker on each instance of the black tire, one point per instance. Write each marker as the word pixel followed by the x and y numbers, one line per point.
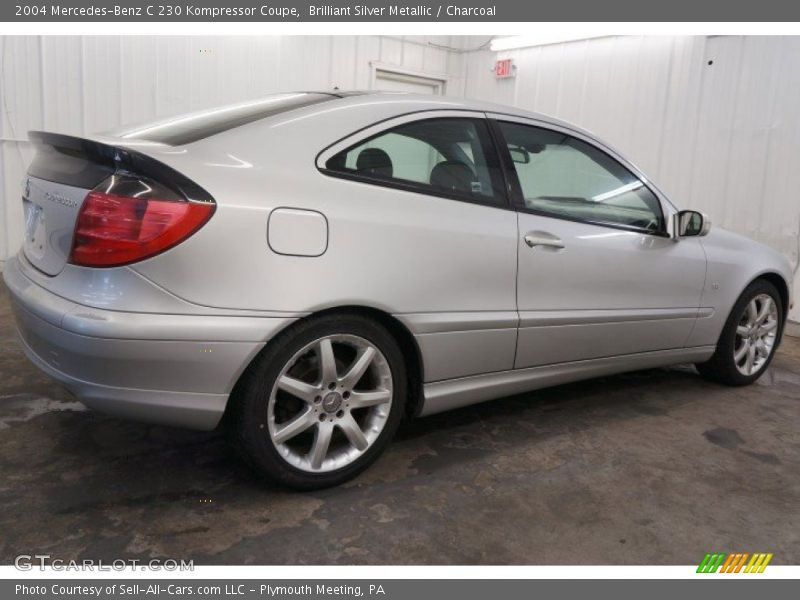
pixel 721 368
pixel 249 410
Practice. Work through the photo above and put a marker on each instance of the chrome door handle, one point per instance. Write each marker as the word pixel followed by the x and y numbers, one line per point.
pixel 534 240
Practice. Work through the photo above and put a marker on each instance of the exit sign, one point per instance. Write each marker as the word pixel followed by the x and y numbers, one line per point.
pixel 504 68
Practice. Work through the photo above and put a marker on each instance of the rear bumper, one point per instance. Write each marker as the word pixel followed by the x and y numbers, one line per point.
pixel 168 369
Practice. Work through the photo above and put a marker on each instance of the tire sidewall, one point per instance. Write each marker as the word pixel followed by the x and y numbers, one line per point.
pixel 253 401
pixel 727 342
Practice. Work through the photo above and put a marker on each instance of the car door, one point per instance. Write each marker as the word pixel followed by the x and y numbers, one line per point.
pixel 599 275
pixel 427 194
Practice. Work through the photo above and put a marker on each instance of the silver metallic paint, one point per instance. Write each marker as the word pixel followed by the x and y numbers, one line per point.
pixel 297 232
pixel 733 261
pixel 604 269
pixel 455 393
pixel 56 205
pixel 166 368
pixel 608 301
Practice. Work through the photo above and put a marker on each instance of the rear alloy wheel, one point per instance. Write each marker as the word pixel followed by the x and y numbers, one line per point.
pixel 749 338
pixel 321 404
pixel 339 384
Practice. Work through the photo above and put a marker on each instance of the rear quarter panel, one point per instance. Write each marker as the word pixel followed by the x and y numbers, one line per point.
pixel 445 268
pixel 395 250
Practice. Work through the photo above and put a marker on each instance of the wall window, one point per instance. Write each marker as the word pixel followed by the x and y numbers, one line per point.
pixel 445 156
pixel 562 176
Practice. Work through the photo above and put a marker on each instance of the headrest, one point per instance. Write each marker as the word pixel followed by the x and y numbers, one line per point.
pixel 452 175
pixel 374 162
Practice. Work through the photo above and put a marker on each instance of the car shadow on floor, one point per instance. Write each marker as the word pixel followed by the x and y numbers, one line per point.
pixel 131 454
pixel 134 489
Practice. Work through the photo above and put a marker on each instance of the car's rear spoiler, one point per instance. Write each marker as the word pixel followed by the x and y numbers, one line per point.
pixel 84 163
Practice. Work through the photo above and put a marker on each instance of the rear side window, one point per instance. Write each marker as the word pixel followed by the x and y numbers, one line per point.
pixel 562 176
pixel 451 157
pixel 192 127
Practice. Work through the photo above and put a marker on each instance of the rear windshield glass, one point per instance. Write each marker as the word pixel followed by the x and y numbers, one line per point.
pixel 188 128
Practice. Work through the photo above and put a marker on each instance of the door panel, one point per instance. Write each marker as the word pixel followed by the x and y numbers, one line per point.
pixel 598 274
pixel 432 211
pixel 605 292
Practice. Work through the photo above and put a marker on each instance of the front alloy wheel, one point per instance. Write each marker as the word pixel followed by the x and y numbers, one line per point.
pixel 756 334
pixel 749 338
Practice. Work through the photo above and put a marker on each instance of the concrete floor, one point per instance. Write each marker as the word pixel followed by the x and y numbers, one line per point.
pixel 655 467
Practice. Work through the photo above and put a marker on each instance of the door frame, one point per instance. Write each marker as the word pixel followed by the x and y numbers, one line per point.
pixel 668 209
pixel 502 200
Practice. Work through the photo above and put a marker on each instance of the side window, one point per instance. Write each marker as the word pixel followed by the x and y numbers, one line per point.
pixel 562 176
pixel 446 156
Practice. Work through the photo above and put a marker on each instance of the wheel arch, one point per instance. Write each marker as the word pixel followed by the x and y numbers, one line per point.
pixel 408 345
pixel 404 337
pixel 780 284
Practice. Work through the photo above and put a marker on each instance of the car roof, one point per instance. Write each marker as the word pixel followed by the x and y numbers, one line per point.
pixel 190 127
pixel 312 113
pixel 372 97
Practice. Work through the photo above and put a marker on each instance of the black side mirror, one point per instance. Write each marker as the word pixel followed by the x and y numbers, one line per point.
pixel 691 223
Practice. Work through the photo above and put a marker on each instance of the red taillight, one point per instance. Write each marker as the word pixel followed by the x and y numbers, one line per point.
pixel 114 230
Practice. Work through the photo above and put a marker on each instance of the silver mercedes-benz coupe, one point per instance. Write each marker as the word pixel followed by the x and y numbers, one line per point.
pixel 316 266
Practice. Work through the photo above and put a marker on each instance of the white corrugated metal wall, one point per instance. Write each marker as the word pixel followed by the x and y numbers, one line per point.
pixel 76 84
pixel 721 137
pixel 714 121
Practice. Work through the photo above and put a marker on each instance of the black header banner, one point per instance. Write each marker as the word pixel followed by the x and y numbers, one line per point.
pixel 387 11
